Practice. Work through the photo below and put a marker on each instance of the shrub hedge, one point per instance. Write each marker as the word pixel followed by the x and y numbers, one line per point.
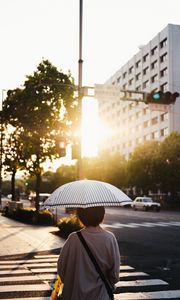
pixel 68 225
pixel 29 215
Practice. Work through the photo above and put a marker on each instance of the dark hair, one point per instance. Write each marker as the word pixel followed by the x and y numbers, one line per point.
pixel 91 216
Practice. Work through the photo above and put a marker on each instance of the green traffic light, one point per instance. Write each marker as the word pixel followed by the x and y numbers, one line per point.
pixel 156 96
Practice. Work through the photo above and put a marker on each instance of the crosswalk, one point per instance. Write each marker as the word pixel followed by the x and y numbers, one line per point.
pixel 33 278
pixel 118 225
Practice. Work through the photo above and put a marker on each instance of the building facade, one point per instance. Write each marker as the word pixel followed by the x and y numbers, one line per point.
pixel 155 67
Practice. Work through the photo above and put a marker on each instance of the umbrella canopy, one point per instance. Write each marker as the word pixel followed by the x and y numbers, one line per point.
pixel 86 193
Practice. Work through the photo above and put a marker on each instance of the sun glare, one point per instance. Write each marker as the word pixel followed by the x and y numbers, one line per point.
pixel 92 134
pixel 90 127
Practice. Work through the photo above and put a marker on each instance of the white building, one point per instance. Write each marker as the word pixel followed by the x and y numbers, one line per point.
pixel 155 67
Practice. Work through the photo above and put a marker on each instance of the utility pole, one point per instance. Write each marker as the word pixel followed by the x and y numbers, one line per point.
pixel 1 144
pixel 1 150
pixel 80 93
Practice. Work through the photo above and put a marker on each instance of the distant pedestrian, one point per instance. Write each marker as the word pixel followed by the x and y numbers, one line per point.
pixel 78 274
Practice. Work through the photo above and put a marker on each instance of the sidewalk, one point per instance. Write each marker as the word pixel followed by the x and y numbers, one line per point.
pixel 20 238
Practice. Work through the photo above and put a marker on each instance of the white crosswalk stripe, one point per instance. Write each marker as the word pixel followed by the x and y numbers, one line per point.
pixel 143 224
pixel 21 279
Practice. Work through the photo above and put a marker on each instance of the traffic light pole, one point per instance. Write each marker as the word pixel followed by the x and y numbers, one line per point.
pixel 80 93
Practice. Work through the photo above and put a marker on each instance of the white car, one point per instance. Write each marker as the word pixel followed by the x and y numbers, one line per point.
pixel 145 203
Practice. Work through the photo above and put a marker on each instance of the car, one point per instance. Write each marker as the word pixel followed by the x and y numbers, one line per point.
pixel 42 197
pixel 126 204
pixel 145 203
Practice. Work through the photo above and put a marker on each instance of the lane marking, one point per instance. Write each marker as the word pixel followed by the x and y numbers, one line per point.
pixel 170 294
pixel 127 274
pixel 147 282
pixel 24 288
pixel 143 224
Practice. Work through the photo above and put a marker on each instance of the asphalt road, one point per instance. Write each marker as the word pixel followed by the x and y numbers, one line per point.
pixel 150 241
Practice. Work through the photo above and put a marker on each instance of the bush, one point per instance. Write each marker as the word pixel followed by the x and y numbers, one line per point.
pixel 68 225
pixel 29 215
pixel 25 215
pixel 45 217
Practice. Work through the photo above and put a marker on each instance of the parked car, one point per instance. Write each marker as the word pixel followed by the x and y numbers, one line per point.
pixel 126 204
pixel 42 198
pixel 145 203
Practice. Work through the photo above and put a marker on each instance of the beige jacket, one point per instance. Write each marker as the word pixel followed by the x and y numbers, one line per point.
pixel 80 278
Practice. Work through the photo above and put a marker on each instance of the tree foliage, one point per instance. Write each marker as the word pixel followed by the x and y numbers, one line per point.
pixel 168 163
pixel 13 156
pixel 41 110
pixel 108 168
pixel 141 166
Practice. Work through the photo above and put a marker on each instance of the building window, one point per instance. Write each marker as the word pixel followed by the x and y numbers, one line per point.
pixel 124 111
pixel 146 137
pixel 145 70
pixel 154 135
pixel 154 121
pixel 131 81
pixel 154 50
pixel 163 43
pixel 138 63
pixel 145 124
pixel 145 111
pixel 138 88
pixel 145 57
pixel 138 76
pixel 124 75
pixel 164 87
pixel 137 114
pixel 145 84
pixel 164 132
pixel 163 57
pixel 154 64
pixel 124 86
pixel 154 78
pixel 118 79
pixel 163 72
pixel 164 117
pixel 131 69
pixel 131 106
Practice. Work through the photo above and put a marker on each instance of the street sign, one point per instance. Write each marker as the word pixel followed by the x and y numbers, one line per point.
pixel 107 92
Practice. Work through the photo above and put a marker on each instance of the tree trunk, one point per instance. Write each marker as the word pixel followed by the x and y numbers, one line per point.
pixel 38 184
pixel 13 191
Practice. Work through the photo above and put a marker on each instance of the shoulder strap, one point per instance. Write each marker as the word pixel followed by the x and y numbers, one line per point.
pixel 97 267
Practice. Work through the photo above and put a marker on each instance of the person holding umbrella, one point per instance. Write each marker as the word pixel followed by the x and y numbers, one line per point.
pixel 89 261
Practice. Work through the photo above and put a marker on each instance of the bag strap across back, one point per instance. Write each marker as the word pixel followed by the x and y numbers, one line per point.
pixel 97 267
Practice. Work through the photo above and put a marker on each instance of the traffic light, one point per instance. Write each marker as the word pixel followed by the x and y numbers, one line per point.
pixel 161 97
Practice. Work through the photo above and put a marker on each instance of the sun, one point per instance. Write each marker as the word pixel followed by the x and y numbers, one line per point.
pixel 92 133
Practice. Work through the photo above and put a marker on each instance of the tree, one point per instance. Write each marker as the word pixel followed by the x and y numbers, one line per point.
pixel 40 110
pixel 169 164
pixel 12 156
pixel 108 168
pixel 141 166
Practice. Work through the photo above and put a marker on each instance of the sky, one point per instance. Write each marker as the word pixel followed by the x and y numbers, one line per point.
pixel 32 30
